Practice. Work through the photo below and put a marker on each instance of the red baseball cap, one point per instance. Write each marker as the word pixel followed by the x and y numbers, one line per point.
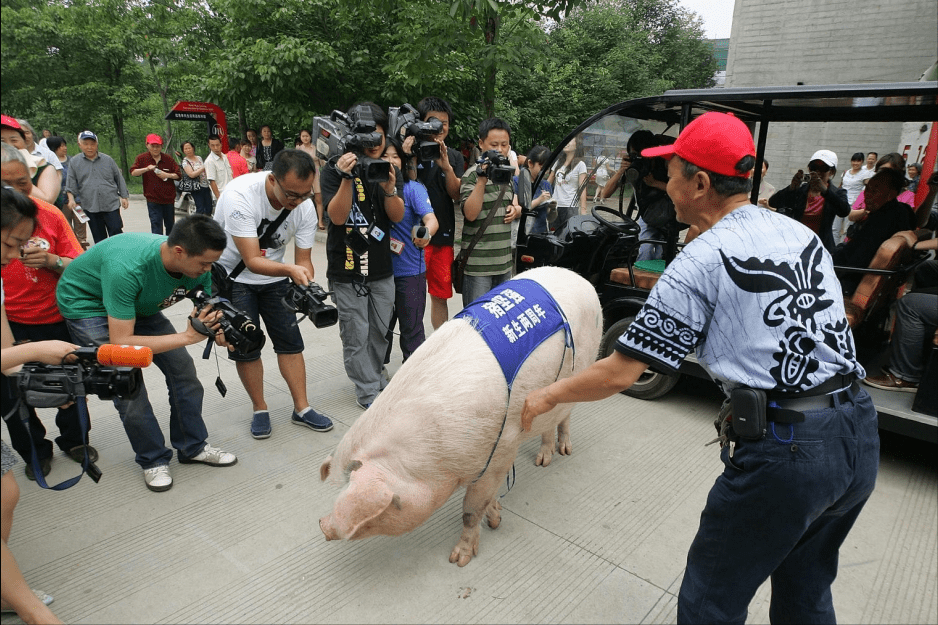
pixel 6 120
pixel 154 138
pixel 713 141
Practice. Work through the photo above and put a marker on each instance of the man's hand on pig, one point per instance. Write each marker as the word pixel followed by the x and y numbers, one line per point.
pixel 537 403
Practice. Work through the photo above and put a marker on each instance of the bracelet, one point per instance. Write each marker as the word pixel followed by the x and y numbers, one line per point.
pixel 392 194
pixel 345 174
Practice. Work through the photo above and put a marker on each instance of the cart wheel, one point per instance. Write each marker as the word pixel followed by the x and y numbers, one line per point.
pixel 651 384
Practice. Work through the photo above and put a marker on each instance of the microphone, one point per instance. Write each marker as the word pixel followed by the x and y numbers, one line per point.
pixel 124 355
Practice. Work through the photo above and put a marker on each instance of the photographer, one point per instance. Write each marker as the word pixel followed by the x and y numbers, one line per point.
pixel 363 280
pixel 250 205
pixel 490 262
pixel 30 280
pixel 441 178
pixel 115 293
pixel 17 222
pixel 656 216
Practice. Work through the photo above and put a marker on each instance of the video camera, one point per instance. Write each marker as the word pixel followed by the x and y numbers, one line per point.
pixel 239 330
pixel 340 134
pixel 496 167
pixel 405 122
pixel 641 166
pixel 108 371
pixel 310 301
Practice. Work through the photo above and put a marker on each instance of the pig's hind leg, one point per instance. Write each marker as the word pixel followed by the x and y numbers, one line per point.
pixel 546 453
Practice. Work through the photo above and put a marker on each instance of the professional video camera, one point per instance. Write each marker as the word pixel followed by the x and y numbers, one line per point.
pixel 496 167
pixel 405 122
pixel 108 371
pixel 339 134
pixel 240 332
pixel 310 301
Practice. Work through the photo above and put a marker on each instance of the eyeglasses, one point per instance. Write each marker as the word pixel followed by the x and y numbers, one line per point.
pixel 294 197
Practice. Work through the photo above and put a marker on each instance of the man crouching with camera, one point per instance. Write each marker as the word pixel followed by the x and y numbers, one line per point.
pixel 115 293
pixel 260 214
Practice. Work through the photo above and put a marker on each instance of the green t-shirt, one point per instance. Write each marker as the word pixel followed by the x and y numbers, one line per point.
pixel 492 254
pixel 122 277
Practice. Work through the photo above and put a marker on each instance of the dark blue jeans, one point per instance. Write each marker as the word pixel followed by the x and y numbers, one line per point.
pixel 187 430
pixel 410 303
pixel 161 216
pixel 104 225
pixel 781 509
pixel 203 201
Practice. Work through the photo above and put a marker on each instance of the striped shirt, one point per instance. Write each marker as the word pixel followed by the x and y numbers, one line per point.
pixel 492 254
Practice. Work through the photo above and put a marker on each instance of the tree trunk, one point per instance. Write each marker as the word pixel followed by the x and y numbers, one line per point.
pixel 242 123
pixel 490 72
pixel 118 119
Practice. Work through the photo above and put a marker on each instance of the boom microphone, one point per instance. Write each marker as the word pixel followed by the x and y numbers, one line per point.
pixel 118 355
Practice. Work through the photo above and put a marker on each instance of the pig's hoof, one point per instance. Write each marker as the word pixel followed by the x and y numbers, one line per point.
pixel 545 455
pixel 464 551
pixel 564 448
pixel 493 515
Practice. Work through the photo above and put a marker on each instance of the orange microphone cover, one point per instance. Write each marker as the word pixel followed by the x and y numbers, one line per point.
pixel 125 355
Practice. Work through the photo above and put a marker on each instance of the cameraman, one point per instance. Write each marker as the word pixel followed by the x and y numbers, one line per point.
pixel 363 285
pixel 246 208
pixel 650 194
pixel 441 178
pixel 115 293
pixel 30 280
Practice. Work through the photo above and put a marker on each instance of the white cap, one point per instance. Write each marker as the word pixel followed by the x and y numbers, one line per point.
pixel 826 156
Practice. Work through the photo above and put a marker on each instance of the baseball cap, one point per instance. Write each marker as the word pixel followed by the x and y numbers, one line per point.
pixel 825 156
pixel 87 134
pixel 154 138
pixel 713 141
pixel 6 120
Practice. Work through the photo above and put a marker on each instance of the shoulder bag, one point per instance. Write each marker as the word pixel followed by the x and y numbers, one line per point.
pixel 458 269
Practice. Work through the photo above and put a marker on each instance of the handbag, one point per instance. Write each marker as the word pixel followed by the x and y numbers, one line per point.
pixel 187 184
pixel 458 268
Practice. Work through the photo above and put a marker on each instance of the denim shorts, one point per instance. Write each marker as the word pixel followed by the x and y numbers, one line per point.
pixel 264 301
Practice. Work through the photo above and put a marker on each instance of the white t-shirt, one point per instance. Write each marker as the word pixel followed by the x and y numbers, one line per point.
pixel 241 210
pixel 853 183
pixel 565 185
pixel 602 170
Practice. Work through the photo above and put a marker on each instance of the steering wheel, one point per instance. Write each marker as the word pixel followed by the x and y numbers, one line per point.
pixel 626 226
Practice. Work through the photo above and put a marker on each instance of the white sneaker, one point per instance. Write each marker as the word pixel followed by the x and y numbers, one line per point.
pixel 158 478
pixel 211 456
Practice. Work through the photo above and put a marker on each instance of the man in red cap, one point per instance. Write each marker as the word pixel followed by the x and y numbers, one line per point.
pixel 756 297
pixel 158 171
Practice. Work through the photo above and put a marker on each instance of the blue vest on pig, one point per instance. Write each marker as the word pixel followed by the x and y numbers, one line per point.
pixel 513 319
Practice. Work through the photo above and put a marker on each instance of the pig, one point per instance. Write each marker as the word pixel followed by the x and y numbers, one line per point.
pixel 434 427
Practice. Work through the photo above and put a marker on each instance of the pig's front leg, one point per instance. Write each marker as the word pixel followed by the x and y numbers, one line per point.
pixel 546 453
pixel 564 448
pixel 479 501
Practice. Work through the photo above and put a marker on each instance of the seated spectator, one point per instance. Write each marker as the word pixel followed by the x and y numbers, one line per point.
pixel 916 321
pixel 812 199
pixel 886 217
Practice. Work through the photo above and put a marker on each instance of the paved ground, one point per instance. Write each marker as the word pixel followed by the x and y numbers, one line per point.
pixel 600 536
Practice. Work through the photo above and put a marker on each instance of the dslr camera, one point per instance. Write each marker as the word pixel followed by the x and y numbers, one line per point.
pixel 641 166
pixel 405 122
pixel 340 134
pixel 50 386
pixel 496 167
pixel 239 330
pixel 310 301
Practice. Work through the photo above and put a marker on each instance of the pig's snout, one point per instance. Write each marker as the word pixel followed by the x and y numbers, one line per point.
pixel 328 528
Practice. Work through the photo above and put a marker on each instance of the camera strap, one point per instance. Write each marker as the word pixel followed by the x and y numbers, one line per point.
pixel 263 240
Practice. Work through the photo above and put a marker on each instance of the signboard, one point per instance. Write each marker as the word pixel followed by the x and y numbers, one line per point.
pixel 207 112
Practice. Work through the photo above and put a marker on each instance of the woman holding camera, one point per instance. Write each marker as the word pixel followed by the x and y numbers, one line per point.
pixel 33 315
pixel 16 227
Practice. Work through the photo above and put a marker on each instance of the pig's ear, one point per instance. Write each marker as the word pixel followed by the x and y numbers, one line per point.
pixel 371 507
pixel 324 469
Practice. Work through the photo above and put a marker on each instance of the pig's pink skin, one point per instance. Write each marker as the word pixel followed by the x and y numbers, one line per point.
pixel 432 429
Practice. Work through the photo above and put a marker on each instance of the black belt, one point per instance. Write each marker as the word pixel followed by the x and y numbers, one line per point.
pixel 790 407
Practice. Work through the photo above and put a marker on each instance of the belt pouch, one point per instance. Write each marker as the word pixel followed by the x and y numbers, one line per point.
pixel 748 406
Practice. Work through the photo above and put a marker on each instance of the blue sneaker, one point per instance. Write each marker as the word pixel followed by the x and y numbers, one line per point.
pixel 260 425
pixel 363 405
pixel 313 420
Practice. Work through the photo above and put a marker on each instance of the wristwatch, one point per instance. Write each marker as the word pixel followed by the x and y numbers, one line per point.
pixel 59 263
pixel 392 193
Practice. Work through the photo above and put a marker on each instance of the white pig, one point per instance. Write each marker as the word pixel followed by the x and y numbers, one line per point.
pixel 434 427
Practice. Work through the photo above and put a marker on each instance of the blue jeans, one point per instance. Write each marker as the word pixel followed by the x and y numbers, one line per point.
pixel 410 303
pixel 265 300
pixel 781 509
pixel 474 287
pixel 104 225
pixel 186 428
pixel 203 201
pixel 161 216
pixel 650 251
